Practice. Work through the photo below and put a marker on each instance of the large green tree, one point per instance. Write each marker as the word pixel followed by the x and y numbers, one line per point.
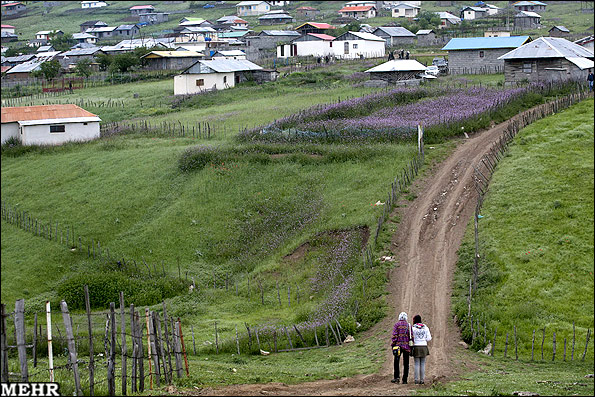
pixel 61 42
pixel 49 69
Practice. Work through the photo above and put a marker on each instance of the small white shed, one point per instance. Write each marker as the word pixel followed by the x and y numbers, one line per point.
pixel 49 124
pixel 214 74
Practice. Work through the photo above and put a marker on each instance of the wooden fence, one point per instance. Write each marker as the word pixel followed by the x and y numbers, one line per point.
pixel 483 172
pixel 164 340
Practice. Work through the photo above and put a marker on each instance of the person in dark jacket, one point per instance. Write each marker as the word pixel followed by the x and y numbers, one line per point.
pixel 400 344
pixel 590 80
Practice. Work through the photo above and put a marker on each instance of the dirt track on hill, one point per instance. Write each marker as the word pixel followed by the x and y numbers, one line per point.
pixel 426 243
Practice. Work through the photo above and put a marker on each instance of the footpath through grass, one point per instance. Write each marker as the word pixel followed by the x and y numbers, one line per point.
pixel 536 239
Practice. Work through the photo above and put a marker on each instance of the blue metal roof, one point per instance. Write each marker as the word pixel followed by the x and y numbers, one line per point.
pixel 476 43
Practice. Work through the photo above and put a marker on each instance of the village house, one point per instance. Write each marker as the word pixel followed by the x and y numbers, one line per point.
pixel 171 60
pixel 23 71
pixel 405 10
pixel 529 6
pixel 8 29
pixel 7 37
pixel 68 58
pixel 196 33
pixel 311 44
pixel 425 37
pixel 314 27
pixel 45 48
pixel 479 55
pixel 18 59
pixel 137 10
pixel 360 3
pixel 491 9
pixel 306 12
pixel 447 19
pixel 471 13
pixel 105 32
pixel 45 34
pixel 394 35
pixel 84 38
pixel 527 20
pixel 496 32
pixel 279 17
pixel 93 4
pixel 92 24
pixel 214 74
pixel 13 9
pixel 586 42
pixel 187 21
pixel 351 45
pixel 127 31
pixel 396 70
pixel 559 31
pixel 547 59
pixel 252 8
pixel 153 18
pixel 264 43
pixel 229 54
pixel 49 124
pixel 231 21
pixel 358 12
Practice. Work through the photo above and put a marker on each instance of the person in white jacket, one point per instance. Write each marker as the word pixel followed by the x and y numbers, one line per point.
pixel 421 336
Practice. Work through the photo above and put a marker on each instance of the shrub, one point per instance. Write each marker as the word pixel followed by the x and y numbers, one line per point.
pixel 197 157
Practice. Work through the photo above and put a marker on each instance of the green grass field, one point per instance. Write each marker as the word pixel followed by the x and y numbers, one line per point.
pixel 536 236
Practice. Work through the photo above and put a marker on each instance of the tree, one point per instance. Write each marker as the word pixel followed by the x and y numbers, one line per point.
pixel 123 62
pixel 104 61
pixel 83 68
pixel 350 27
pixel 428 20
pixel 50 69
pixel 61 42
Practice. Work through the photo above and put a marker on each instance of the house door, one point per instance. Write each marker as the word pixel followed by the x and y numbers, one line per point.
pixel 294 46
pixel 237 79
pixel 346 48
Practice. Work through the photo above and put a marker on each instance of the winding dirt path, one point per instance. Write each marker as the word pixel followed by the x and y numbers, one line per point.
pixel 426 243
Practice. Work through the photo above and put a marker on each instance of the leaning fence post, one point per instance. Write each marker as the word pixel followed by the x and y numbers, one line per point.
pixel 35 342
pixel 183 346
pixel 124 350
pixel 91 353
pixel 542 340
pixel 134 350
pixel 169 347
pixel 71 347
pixel 4 346
pixel 19 325
pixel 111 363
pixel 149 348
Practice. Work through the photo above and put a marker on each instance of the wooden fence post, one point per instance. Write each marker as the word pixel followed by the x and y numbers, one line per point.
pixel 91 353
pixel 71 347
pixel 516 353
pixel 237 341
pixel 149 353
pixel 216 338
pixel 19 325
pixel 506 346
pixel 586 344
pixel 111 363
pixel 162 350
pixel 554 347
pixel 573 340
pixel 542 340
pixel 183 346
pixel 532 345
pixel 124 350
pixel 48 316
pixel 177 348
pixel 4 346
pixel 494 342
pixel 141 353
pixel 167 341
pixel 564 357
pixel 35 342
pixel 134 368
pixel 154 348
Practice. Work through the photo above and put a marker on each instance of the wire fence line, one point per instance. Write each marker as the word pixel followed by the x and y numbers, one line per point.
pixel 483 172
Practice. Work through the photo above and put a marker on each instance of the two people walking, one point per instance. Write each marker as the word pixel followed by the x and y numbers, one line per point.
pixel 410 340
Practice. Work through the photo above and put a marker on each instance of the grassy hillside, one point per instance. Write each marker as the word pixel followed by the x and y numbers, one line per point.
pixel 536 235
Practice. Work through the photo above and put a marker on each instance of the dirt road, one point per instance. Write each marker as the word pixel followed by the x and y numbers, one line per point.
pixel 426 243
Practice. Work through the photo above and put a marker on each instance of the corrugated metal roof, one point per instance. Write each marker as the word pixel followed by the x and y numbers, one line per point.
pixel 485 43
pixel 582 63
pixel 528 3
pixel 356 9
pixel 405 6
pixel 141 7
pixel 561 28
pixel 396 31
pixel 322 36
pixel 221 66
pixel 80 36
pixel 230 35
pixel 80 52
pixel 276 16
pixel 527 14
pixel 281 33
pixel 363 36
pixel 249 3
pixel 172 54
pixel 398 65
pixel 26 67
pixel 548 47
pixel 43 112
pixel 60 120
pixel 317 25
pixel 424 31
pixel 230 53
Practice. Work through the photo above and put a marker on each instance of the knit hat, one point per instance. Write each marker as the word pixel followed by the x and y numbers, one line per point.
pixel 403 316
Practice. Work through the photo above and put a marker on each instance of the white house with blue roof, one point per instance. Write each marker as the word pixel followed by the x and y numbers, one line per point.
pixel 479 55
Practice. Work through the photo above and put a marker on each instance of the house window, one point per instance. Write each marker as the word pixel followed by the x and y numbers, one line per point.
pixel 85 123
pixel 57 128
pixel 481 54
pixel 527 67
pixel 200 82
pixel 354 46
pixel 224 79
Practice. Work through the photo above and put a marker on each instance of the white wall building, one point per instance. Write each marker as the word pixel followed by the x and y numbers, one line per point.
pixel 93 4
pixel 251 8
pixel 311 44
pixel 215 74
pixel 49 124
pixel 359 45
